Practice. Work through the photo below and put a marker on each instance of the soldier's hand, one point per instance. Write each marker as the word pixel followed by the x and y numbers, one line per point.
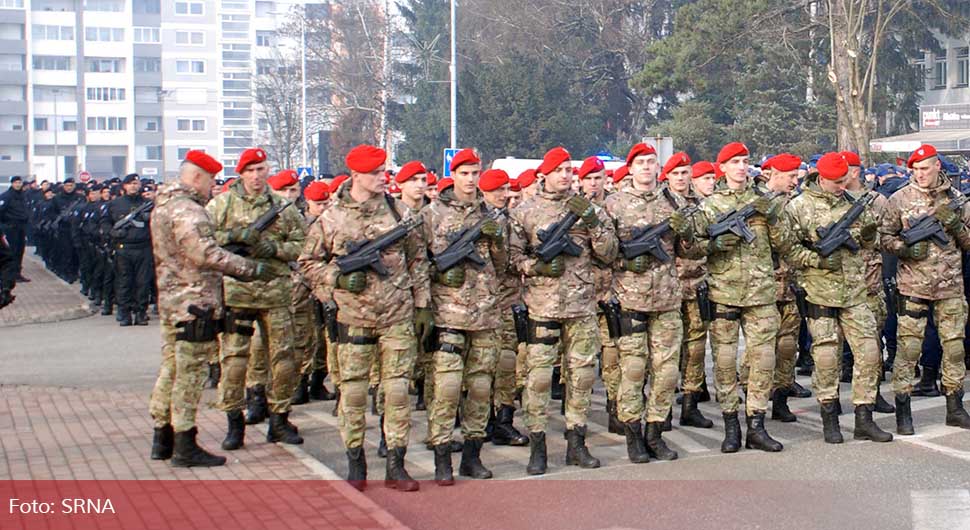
pixel 584 209
pixel 263 272
pixel 832 262
pixel 726 242
pixel 423 323
pixel 948 218
pixel 553 269
pixel 918 251
pixel 244 235
pixel 264 249
pixel 492 230
pixel 638 265
pixel 762 204
pixel 680 224
pixel 868 232
pixel 453 277
pixel 354 282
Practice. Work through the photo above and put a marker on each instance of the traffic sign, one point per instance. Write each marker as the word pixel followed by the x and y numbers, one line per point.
pixel 449 154
pixel 304 172
pixel 84 176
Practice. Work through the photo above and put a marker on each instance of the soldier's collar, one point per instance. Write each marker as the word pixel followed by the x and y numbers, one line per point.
pixel 554 196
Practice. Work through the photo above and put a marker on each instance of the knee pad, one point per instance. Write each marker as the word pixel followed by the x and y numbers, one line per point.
pixel 479 388
pixel 827 359
pixel 540 379
pixel 506 361
pixel 354 394
pixel 448 386
pixel 585 377
pixel 396 391
pixel 766 360
pixel 633 369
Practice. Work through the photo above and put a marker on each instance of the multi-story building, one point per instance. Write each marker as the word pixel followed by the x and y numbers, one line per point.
pixel 118 86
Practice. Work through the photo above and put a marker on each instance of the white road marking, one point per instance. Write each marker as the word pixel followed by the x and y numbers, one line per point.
pixel 941 509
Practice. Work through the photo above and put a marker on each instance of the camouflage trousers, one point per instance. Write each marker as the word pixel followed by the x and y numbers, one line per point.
pixel 610 361
pixel 466 359
pixel 305 333
pixel 693 348
pixel 257 368
pixel 877 304
pixel 786 349
pixel 503 388
pixel 276 325
pixel 760 326
pixel 395 347
pixel 579 341
pixel 856 325
pixel 950 315
pixel 333 360
pixel 424 368
pixel 656 349
pixel 178 389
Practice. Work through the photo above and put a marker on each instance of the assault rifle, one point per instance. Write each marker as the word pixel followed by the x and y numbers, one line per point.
pixel 736 222
pixel 260 225
pixel 647 239
pixel 366 253
pixel 461 245
pixel 132 217
pixel 56 222
pixel 555 239
pixel 836 235
pixel 927 226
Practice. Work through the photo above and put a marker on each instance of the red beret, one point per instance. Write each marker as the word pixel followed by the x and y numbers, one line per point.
pixel 465 156
pixel 412 168
pixel 526 179
pixel 205 162
pixel 639 150
pixel 393 188
pixel 445 183
pixel 336 182
pixel 284 178
pixel 620 173
pixel 365 158
pixel 432 178
pixel 702 168
pixel 925 151
pixel 662 177
pixel 252 155
pixel 553 159
pixel 851 158
pixel 591 165
pixel 675 161
pixel 317 191
pixel 492 180
pixel 783 162
pixel 832 166
pixel 732 150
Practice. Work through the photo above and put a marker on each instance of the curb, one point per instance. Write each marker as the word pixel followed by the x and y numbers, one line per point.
pixel 82 310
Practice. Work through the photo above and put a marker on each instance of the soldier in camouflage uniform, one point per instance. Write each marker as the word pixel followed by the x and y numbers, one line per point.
pixel 467 322
pixel 742 290
pixel 929 279
pixel 317 196
pixel 836 297
pixel 692 184
pixel 262 303
pixel 560 295
pixel 648 291
pixel 377 315
pixel 190 266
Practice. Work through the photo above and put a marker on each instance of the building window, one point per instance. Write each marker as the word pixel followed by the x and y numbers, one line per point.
pixel 153 152
pixel 963 67
pixel 95 34
pixel 41 32
pixel 114 6
pixel 189 8
pixel 53 62
pixel 264 38
pixel 146 35
pixel 15 4
pixel 190 67
pixel 189 125
pixel 105 65
pixel 939 72
pixel 182 151
pixel 40 124
pixel 148 64
pixel 193 38
pixel 150 7
pixel 106 123
pixel 70 125
pixel 106 94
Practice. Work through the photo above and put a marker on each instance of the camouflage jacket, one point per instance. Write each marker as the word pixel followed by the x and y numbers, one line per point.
pixel 744 276
pixel 473 305
pixel 301 295
pixel 573 294
pixel 940 275
pixel 784 272
pixel 602 272
pixel 236 209
pixel 691 271
pixel 803 216
pixel 509 282
pixel 384 301
pixel 873 256
pixel 189 263
pixel 657 289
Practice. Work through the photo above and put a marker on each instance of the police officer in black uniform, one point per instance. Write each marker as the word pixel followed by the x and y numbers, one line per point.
pixel 131 242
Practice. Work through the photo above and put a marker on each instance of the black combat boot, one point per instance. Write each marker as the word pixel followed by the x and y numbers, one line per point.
pixel 124 317
pixel 668 423
pixel 471 461
pixel 443 473
pixel 237 431
pixel 690 415
pixel 830 422
pixel 490 424
pixel 615 426
pixel 758 437
pixel 382 447
pixel 163 443
pixel 798 391
pixel 419 388
pixel 301 396
pixel 882 406
pixel 732 433
pixel 904 414
pixel 107 308
pixel 215 373
pixel 926 386
pixel 280 430
pixel 505 433
pixel 257 408
pixel 141 318
pixel 656 447
pixel 577 454
pixel 779 406
pixel 956 415
pixel 557 391
pixel 318 391
pixel 635 448
pixel 537 454
pixel 865 428
pixel 396 477
pixel 189 454
pixel 357 468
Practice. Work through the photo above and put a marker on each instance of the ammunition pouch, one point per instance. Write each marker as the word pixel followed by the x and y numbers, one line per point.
pixel 533 337
pixel 240 322
pixel 913 307
pixel 344 336
pixel 815 311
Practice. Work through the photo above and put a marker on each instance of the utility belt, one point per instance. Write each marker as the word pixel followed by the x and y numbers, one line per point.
pixel 723 312
pixel 203 328
pixel 815 311
pixel 905 306
pixel 240 321
pixel 345 337
pixel 438 345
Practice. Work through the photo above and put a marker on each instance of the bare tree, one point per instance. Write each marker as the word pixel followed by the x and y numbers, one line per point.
pixel 279 111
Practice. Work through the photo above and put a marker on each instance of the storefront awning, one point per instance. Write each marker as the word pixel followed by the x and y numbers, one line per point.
pixel 945 141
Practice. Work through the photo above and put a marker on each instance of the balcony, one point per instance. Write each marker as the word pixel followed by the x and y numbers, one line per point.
pixel 64 138
pixel 13 107
pixel 13 137
pixel 10 168
pixel 13 47
pixel 53 47
pixel 15 16
pixel 54 77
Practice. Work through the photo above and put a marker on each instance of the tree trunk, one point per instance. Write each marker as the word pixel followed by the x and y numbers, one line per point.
pixel 844 74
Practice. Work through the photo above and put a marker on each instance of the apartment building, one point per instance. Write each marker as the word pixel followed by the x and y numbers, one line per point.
pixel 118 86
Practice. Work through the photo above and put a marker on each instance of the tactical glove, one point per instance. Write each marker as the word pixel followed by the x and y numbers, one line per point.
pixel 949 219
pixel 492 230
pixel 832 262
pixel 423 323
pixel 553 269
pixel 680 224
pixel 726 242
pixel 868 232
pixel 917 251
pixel 762 204
pixel 263 272
pixel 638 265
pixel 354 282
pixel 584 209
pixel 264 249
pixel 453 277
pixel 244 235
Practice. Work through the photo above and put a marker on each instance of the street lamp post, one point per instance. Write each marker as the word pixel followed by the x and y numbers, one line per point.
pixel 303 83
pixel 57 169
pixel 453 69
